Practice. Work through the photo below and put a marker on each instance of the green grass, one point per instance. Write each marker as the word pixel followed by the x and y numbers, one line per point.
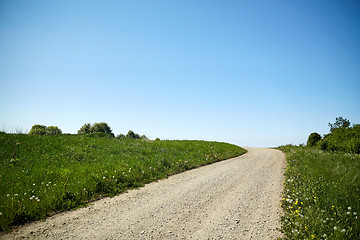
pixel 40 175
pixel 321 198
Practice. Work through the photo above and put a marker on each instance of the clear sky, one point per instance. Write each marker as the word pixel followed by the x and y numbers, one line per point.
pixel 252 73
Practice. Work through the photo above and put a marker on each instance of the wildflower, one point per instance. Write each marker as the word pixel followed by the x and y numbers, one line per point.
pixel 348 213
pixel 343 230
pixel 103 177
pixel 335 228
pixel 349 208
pixel 0 213
pixel 8 195
pixel 33 184
pixel 324 236
pixel 15 195
pixel 355 213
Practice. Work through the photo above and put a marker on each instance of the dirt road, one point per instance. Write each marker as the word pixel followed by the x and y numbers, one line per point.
pixel 233 199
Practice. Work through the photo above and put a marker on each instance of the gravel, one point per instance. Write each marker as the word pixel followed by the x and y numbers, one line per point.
pixel 234 199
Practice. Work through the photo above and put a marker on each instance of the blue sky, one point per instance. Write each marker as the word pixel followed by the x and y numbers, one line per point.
pixel 252 73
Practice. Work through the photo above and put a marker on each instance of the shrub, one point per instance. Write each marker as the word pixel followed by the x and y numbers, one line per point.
pixel 85 128
pixel 120 136
pixel 132 135
pixel 313 139
pixel 100 127
pixel 38 129
pixel 53 130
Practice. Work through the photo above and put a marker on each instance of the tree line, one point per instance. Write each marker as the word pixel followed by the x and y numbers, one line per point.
pixel 98 129
pixel 342 137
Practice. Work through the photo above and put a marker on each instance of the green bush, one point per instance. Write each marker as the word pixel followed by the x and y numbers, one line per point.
pixel 120 136
pixel 38 129
pixel 95 128
pixel 132 135
pixel 313 139
pixel 342 138
pixel 53 130
pixel 85 129
pixel 100 127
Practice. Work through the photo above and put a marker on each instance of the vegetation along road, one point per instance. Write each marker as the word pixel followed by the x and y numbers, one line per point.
pixel 237 198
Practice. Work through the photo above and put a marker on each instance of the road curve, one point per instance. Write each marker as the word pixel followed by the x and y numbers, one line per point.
pixel 234 199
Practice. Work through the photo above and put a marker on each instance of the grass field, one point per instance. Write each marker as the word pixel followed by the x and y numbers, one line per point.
pixel 321 197
pixel 40 175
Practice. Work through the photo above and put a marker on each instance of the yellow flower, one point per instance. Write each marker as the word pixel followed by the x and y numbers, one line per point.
pixel 296 202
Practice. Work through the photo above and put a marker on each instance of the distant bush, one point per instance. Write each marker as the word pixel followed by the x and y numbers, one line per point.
pixel 43 130
pixel 95 128
pixel 53 130
pixel 85 129
pixel 313 139
pixel 38 129
pixel 120 136
pixel 100 127
pixel 342 137
pixel 132 135
pixel 157 139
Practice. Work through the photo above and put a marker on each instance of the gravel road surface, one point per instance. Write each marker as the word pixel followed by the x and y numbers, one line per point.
pixel 234 199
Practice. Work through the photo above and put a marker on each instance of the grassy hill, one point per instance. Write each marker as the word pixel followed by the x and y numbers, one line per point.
pixel 321 194
pixel 40 175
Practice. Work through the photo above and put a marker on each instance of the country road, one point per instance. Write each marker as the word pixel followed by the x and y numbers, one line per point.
pixel 234 199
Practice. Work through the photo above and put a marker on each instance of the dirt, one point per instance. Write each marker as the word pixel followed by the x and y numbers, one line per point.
pixel 234 199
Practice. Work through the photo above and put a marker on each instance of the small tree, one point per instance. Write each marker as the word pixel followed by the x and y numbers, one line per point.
pixel 85 128
pixel 53 130
pixel 120 136
pixel 132 135
pixel 38 129
pixel 101 127
pixel 313 139
pixel 341 123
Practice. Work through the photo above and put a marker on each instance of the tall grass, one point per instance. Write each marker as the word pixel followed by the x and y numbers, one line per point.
pixel 40 175
pixel 321 199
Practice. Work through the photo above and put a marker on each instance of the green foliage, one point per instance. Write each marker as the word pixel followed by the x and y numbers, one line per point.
pixel 340 123
pixel 43 130
pixel 120 136
pixel 321 194
pixel 313 139
pixel 53 130
pixel 100 127
pixel 343 140
pixel 132 135
pixel 96 129
pixel 38 129
pixel 85 129
pixel 55 173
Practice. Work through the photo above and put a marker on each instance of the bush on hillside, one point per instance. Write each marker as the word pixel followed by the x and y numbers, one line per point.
pixel 120 136
pixel 313 139
pixel 342 137
pixel 38 129
pixel 85 129
pixel 132 135
pixel 43 130
pixel 53 130
pixel 101 127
